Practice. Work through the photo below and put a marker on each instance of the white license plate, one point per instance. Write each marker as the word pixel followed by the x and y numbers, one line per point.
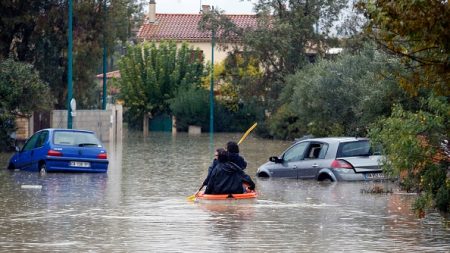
pixel 375 176
pixel 80 164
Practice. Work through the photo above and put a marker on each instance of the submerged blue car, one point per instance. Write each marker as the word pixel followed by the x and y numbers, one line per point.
pixel 65 150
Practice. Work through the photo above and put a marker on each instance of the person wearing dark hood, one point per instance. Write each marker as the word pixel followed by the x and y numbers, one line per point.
pixel 226 177
pixel 233 155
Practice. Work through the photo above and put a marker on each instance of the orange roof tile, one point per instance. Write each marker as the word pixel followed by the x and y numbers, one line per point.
pixel 183 27
pixel 112 74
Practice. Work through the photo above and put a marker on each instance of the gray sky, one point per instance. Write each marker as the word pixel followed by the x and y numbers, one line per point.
pixel 193 6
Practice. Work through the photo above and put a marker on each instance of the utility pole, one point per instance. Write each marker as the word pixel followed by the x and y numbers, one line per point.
pixel 69 69
pixel 105 63
pixel 211 96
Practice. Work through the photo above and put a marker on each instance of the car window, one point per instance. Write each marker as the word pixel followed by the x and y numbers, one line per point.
pixel 31 142
pixel 75 139
pixel 316 150
pixel 355 148
pixel 295 153
pixel 41 139
pixel 323 151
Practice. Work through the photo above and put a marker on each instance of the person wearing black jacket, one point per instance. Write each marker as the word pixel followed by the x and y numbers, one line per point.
pixel 226 177
pixel 233 156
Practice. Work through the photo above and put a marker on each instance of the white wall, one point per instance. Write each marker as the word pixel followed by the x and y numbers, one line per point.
pixel 107 124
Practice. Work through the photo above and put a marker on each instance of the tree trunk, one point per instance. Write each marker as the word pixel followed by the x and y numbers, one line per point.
pixel 145 125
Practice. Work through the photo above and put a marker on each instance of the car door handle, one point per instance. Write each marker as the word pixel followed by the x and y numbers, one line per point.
pixel 315 165
pixel 294 167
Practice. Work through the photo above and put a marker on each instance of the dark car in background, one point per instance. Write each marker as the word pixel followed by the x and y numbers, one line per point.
pixel 331 159
pixel 65 150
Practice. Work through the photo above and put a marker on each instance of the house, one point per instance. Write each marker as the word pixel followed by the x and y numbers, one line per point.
pixel 113 90
pixel 184 28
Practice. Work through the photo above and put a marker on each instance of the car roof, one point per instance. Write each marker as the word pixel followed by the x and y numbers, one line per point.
pixel 66 129
pixel 333 139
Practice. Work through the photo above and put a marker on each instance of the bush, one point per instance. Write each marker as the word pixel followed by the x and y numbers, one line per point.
pixel 285 124
pixel 340 97
pixel 412 142
pixel 228 120
pixel 21 92
pixel 7 127
pixel 191 107
pixel 443 198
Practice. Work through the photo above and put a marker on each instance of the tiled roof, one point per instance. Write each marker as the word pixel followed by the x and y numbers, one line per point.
pixel 112 74
pixel 183 27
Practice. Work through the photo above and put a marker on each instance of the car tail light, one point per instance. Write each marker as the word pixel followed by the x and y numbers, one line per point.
pixel 341 164
pixel 102 156
pixel 54 153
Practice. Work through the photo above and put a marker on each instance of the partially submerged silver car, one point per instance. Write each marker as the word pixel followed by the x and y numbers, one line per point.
pixel 332 159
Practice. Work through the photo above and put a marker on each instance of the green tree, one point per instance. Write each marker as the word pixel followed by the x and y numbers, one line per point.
pixel 237 77
pixel 417 149
pixel 286 31
pixel 21 93
pixel 340 97
pixel 417 32
pixel 36 32
pixel 191 107
pixel 151 76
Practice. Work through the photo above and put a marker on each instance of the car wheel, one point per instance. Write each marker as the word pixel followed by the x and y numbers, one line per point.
pixel 324 178
pixel 11 167
pixel 263 174
pixel 42 169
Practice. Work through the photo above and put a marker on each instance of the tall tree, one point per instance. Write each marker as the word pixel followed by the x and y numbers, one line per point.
pixel 418 32
pixel 151 76
pixel 21 93
pixel 286 34
pixel 36 32
pixel 237 76
pixel 337 97
pixel 417 148
pixel 416 141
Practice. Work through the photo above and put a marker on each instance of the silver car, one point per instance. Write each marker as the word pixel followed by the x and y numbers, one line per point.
pixel 332 159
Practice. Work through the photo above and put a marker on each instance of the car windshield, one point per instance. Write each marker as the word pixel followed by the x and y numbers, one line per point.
pixel 80 139
pixel 355 148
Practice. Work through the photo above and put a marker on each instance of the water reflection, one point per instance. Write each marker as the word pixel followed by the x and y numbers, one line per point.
pixel 140 206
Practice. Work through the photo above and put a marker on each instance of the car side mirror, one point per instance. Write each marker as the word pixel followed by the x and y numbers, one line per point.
pixel 17 149
pixel 275 159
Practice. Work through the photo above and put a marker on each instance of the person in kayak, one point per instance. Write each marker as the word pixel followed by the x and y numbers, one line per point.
pixel 233 156
pixel 226 177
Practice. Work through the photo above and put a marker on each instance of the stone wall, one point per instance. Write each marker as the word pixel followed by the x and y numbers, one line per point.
pixel 107 124
pixel 24 128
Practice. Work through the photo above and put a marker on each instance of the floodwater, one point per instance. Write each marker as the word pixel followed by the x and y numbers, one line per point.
pixel 141 205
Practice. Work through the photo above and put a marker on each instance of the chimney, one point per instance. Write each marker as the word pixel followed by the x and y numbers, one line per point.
pixel 206 9
pixel 152 11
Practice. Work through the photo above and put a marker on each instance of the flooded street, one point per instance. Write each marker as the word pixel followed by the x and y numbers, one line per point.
pixel 140 205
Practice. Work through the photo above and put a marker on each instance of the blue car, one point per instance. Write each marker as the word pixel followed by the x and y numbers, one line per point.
pixel 65 150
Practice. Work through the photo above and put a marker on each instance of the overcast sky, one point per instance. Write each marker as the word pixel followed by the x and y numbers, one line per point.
pixel 193 6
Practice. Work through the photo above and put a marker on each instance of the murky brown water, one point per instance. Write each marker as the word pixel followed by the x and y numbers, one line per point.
pixel 140 206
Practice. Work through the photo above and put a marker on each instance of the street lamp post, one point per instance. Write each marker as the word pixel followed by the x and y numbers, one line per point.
pixel 211 97
pixel 69 69
pixel 105 64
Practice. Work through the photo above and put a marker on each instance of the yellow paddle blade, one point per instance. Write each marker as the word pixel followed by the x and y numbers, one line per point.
pixel 191 198
pixel 247 133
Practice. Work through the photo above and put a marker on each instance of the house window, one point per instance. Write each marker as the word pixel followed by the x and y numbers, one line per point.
pixel 196 55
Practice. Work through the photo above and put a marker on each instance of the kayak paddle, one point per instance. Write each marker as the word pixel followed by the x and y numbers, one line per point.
pixel 247 133
pixel 192 197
